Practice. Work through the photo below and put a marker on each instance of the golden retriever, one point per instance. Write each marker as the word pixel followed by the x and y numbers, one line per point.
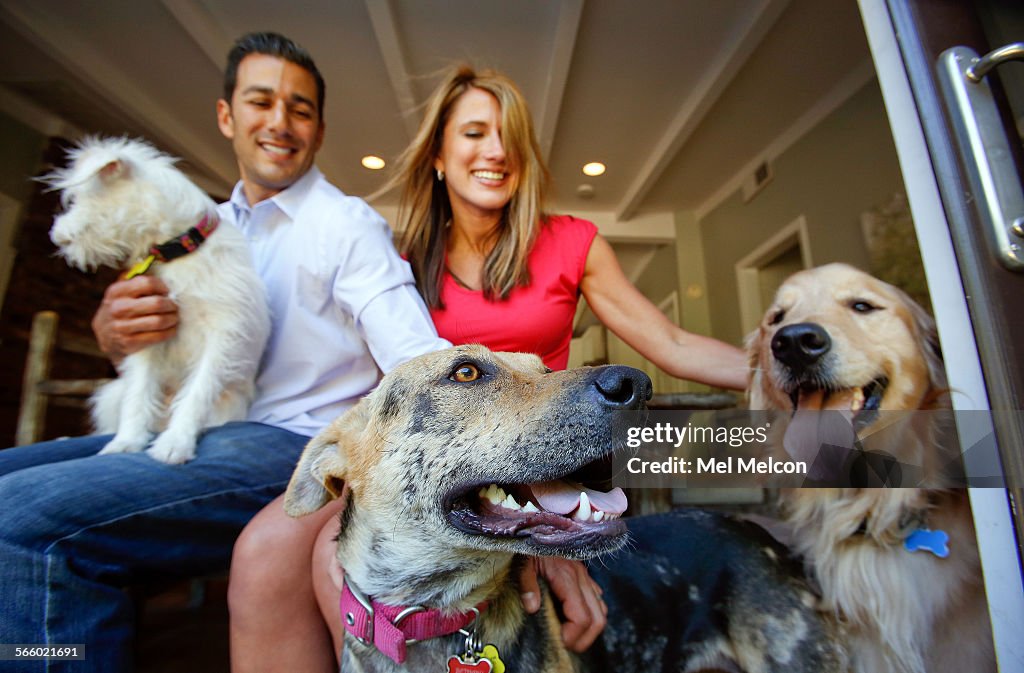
pixel 837 339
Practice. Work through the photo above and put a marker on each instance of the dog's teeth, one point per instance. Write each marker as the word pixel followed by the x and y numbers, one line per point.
pixel 530 507
pixel 583 513
pixel 857 401
pixel 495 495
pixel 598 515
pixel 510 503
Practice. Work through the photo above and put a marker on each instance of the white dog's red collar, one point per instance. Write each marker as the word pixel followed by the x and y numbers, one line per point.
pixel 179 246
pixel 390 628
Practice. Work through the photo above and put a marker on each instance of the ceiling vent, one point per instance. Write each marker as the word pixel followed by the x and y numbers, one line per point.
pixel 756 181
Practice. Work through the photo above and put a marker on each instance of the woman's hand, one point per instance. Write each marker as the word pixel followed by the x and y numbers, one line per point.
pixel 585 613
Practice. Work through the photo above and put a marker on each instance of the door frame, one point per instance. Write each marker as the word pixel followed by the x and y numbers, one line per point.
pixel 748 280
pixel 991 507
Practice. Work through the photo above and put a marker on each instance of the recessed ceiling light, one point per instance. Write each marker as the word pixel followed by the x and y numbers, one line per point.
pixel 372 162
pixel 594 168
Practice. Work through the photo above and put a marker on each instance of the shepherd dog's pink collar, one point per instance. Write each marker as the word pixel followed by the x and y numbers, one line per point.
pixel 390 628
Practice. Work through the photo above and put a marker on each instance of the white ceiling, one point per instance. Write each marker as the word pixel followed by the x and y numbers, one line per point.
pixel 680 98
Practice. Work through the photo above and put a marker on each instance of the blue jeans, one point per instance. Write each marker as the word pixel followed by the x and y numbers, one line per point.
pixel 76 528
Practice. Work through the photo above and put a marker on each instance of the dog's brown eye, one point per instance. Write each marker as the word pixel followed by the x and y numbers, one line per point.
pixel 861 306
pixel 777 318
pixel 465 373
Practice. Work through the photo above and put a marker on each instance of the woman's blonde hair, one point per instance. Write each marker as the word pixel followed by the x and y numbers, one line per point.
pixel 424 210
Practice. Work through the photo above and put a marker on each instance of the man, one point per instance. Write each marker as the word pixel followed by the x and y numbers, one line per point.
pixel 76 527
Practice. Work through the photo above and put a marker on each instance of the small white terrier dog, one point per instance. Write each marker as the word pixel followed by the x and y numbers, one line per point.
pixel 125 203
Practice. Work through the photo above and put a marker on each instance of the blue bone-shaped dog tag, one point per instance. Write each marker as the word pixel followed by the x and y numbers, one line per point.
pixel 935 541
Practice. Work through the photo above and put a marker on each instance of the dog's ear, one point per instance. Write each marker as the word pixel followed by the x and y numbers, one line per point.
pixel 928 341
pixel 321 472
pixel 112 170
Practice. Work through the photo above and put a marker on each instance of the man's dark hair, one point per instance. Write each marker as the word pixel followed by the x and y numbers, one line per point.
pixel 271 44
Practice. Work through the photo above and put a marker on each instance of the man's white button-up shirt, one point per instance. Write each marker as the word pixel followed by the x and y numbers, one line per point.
pixel 343 304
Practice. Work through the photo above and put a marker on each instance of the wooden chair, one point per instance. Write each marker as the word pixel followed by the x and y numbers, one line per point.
pixel 38 389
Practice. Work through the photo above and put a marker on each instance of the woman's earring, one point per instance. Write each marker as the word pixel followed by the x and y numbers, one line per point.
pixel 440 175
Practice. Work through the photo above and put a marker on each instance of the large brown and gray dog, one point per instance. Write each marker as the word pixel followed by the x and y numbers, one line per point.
pixel 839 340
pixel 458 461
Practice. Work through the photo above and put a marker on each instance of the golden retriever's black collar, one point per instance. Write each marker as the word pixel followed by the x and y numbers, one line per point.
pixel 172 249
pixel 912 520
pixel 390 628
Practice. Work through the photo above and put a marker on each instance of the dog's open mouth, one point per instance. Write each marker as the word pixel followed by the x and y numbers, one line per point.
pixel 555 513
pixel 862 403
pixel 826 422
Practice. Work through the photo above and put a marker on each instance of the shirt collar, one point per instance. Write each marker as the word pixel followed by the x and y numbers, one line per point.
pixel 288 200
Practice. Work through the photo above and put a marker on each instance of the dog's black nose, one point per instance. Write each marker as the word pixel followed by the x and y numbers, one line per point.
pixel 801 345
pixel 623 387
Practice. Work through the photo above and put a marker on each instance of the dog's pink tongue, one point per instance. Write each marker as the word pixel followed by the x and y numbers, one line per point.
pixel 563 497
pixel 820 400
pixel 810 429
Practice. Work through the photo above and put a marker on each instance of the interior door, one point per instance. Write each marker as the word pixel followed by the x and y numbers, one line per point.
pixel 978 297
pixel 927 29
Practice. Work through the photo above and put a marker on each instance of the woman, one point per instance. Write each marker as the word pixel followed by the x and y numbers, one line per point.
pixel 476 236
pixel 495 269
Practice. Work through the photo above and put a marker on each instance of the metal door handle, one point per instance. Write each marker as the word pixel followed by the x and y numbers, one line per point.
pixel 1011 52
pixel 978 127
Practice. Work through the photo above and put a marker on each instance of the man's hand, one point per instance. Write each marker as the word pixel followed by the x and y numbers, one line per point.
pixel 584 611
pixel 134 314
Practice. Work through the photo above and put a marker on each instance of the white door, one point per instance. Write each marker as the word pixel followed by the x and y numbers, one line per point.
pixel 977 297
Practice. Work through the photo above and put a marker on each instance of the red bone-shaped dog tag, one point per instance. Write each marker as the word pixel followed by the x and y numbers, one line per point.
pixel 457 664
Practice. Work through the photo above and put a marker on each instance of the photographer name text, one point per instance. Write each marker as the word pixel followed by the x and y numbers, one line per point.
pixel 727 465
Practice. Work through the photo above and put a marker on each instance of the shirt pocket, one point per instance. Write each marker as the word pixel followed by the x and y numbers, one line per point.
pixel 312 292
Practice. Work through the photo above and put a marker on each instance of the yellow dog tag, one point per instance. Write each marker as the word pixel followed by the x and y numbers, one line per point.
pixel 490 653
pixel 139 269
